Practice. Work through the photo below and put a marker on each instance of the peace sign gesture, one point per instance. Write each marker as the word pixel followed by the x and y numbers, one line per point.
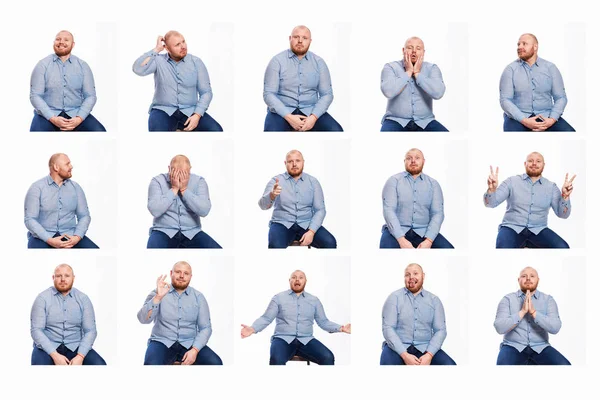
pixel 567 187
pixel 492 180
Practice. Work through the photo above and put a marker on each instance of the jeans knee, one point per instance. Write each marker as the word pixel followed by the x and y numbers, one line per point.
pixel 328 358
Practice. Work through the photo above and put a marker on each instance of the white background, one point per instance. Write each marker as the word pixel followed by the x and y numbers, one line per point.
pixel 110 35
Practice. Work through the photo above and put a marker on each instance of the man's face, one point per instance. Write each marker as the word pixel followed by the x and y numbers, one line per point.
pixel 297 281
pixel 526 47
pixel 534 166
pixel 415 49
pixel 528 280
pixel 63 164
pixel 414 161
pixel 413 278
pixel 176 47
pixel 294 164
pixel 181 275
pixel 179 165
pixel 300 41
pixel 63 43
pixel 63 279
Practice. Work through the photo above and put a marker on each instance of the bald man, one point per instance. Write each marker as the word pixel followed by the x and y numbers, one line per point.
pixel 56 210
pixel 525 318
pixel 181 322
pixel 298 207
pixel 529 198
pixel 414 324
pixel 177 200
pixel 297 88
pixel 63 324
pixel 410 85
pixel 62 91
pixel 532 92
pixel 296 311
pixel 182 91
pixel 413 208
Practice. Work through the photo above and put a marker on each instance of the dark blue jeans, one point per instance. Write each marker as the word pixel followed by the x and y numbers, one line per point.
pixel 325 123
pixel 546 239
pixel 160 121
pixel 281 237
pixel 390 357
pixel 160 240
pixel 313 351
pixel 40 357
pixel 511 125
pixel 41 124
pixel 159 354
pixel 549 356
pixel 388 241
pixel 35 243
pixel 392 126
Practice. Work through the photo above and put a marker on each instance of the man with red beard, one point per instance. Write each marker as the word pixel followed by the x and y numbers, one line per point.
pixel 414 324
pixel 181 322
pixel 56 210
pixel 298 207
pixel 182 91
pixel 297 88
pixel 532 92
pixel 413 208
pixel 529 198
pixel 296 311
pixel 63 324
pixel 525 318
pixel 63 91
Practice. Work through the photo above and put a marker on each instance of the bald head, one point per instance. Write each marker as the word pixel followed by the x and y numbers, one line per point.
pixel 301 29
pixel 413 278
pixel 63 266
pixel 66 33
pixel 528 279
pixel 63 278
pixel 414 150
pixel 294 163
pixel 182 264
pixel 528 270
pixel 294 152
pixel 534 165
pixel 63 44
pixel 175 45
pixel 181 275
pixel 297 281
pixel 180 162
pixel 54 158
pixel 300 40
pixel 529 36
pixel 172 34
pixel 414 160
pixel 416 41
pixel 535 154
pixel 412 266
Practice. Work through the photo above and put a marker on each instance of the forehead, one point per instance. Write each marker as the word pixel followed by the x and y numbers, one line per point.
pixel 414 42
pixel 182 268
pixel 63 159
pixel 526 39
pixel 64 35
pixel 64 270
pixel 301 31
pixel 295 155
pixel 298 274
pixel 411 269
pixel 175 38
pixel 529 271
pixel 414 153
pixel 535 156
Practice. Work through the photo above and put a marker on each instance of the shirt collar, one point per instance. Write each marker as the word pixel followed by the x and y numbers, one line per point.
pixel 184 59
pixel 408 175
pixel 50 181
pixel 525 176
pixel 55 292
pixel 536 63
pixel 186 291
pixel 291 54
pixel 535 294
pixel 55 58
pixel 288 176
pixel 292 292
pixel 421 293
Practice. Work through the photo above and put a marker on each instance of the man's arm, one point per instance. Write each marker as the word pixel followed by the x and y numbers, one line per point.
pixel 325 90
pixel 203 324
pixel 322 320
pixel 268 317
pixel 146 63
pixel 433 84
pixel 32 213
pixel 505 321
pixel 271 88
pixel 389 323
pixel 559 94
pixel 89 92
pixel 318 207
pixel 159 202
pixel 197 200
pixel 438 327
pixel 82 212
pixel 496 198
pixel 149 310
pixel 391 84
pixel 390 203
pixel 560 206
pixel 436 213
pixel 507 94
pixel 38 324
pixel 550 321
pixel 265 202
pixel 88 327
pixel 37 89
pixel 203 87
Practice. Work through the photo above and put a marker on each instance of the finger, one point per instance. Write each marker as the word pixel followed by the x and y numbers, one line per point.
pixel 571 181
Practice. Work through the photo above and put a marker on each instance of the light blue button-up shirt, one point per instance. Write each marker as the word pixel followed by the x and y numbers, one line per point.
pixel 58 86
pixel 410 98
pixel 528 203
pixel 291 83
pixel 57 319
pixel 51 209
pixel 416 204
pixel 182 318
pixel 173 213
pixel 535 89
pixel 413 320
pixel 296 316
pixel 520 333
pixel 182 85
pixel 300 201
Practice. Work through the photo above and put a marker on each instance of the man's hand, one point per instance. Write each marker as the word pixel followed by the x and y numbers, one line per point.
pixel 247 331
pixel 295 121
pixel 174 176
pixel 57 242
pixel 409 359
pixel 417 66
pixel 531 308
pixel 276 191
pixel 184 179
pixel 72 123
pixel 59 122
pixel 192 122
pixel 567 187
pixel 77 360
pixel 525 307
pixel 189 357
pixel 425 244
pixel 408 65
pixel 59 359
pixel 307 238
pixel 492 181
pixel 548 122
pixel 309 123
pixel 404 243
pixel 532 124
pixel 73 240
pixel 425 359
pixel 162 288
pixel 160 44
pixel 346 328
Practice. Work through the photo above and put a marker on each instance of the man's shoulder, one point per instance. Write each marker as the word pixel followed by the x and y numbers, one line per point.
pixel 196 293
pixel 431 296
pixel 543 296
pixel 46 293
pixel 40 182
pixel 194 59
pixel 46 60
pixel 161 177
pixel 79 294
pixel 76 60
pixel 514 64
pixel 309 177
pixel 545 63
pixel 398 293
pixel 428 178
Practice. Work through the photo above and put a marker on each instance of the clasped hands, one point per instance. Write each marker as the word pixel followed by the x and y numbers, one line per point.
pixel 300 122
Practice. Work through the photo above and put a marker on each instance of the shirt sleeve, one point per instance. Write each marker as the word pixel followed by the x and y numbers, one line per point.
pixel 89 92
pixel 203 86
pixel 389 323
pixel 148 306
pixel 271 88
pixel 322 321
pixel 149 68
pixel 325 90
pixel 38 324
pixel 391 84
pixel 88 327
pixel 268 317
pixel 159 202
pixel 32 213
pixel 390 204
pixel 198 199
pixel 549 321
pixel 37 90
pixel 560 206
pixel 265 201
pixel 507 94
pixel 318 207
pixel 492 200
pixel 82 212
pixel 203 324
pixel 559 95
pixel 439 327
pixel 436 212
pixel 432 84
pixel 505 321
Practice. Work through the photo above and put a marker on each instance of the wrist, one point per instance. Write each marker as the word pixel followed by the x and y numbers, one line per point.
pixel 80 355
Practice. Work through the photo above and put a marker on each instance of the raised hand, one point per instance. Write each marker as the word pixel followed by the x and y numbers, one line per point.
pixel 246 331
pixel 276 191
pixel 525 307
pixel 174 174
pixel 408 65
pixel 162 287
pixel 417 66
pixel 184 179
pixel 346 328
pixel 492 180
pixel 567 187
pixel 160 44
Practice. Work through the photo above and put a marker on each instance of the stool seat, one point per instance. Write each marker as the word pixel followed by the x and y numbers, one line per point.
pixel 301 359
pixel 297 243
